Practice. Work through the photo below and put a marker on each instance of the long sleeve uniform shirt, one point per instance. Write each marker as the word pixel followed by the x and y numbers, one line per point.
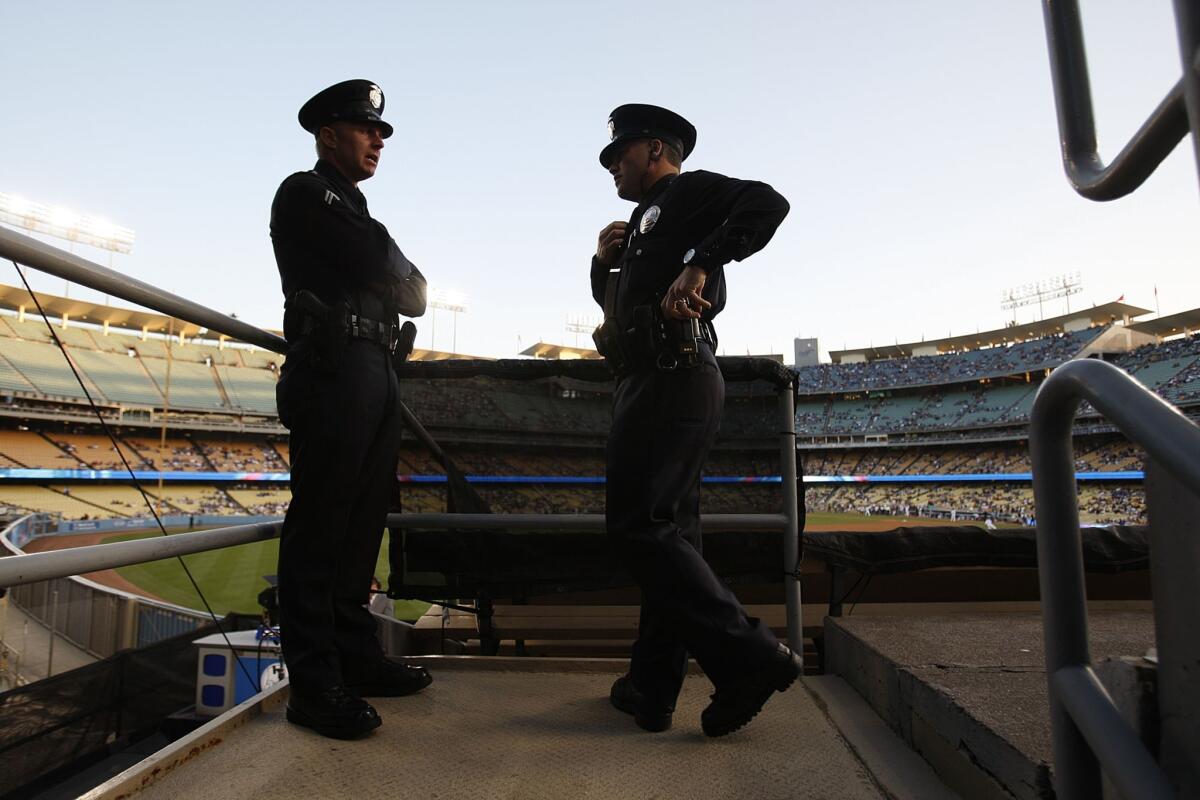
pixel 325 241
pixel 720 219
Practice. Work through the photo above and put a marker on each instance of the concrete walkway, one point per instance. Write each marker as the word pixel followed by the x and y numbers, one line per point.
pixel 25 648
pixel 485 734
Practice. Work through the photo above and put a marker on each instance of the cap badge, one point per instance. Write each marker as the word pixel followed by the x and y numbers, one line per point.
pixel 612 129
pixel 649 219
pixel 375 96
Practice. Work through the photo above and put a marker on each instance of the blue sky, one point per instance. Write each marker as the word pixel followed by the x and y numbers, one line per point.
pixel 915 141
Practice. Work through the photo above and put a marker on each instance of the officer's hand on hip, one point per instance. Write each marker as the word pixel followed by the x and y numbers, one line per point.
pixel 683 300
pixel 612 239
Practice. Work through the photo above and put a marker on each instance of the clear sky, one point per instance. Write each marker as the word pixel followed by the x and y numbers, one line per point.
pixel 916 142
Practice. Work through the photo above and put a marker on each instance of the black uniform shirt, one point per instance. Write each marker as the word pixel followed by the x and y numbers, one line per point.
pixel 722 219
pixel 325 241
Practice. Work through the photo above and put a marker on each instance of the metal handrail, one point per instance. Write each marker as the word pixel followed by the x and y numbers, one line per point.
pixel 16 570
pixel 1084 722
pixel 1086 171
pixel 68 266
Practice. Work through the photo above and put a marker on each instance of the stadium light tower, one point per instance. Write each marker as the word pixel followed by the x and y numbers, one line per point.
pixel 581 323
pixel 64 224
pixel 447 300
pixel 1048 289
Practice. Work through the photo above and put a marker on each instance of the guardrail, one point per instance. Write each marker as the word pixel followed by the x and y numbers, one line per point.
pixel 21 569
pixel 1088 731
pixel 98 619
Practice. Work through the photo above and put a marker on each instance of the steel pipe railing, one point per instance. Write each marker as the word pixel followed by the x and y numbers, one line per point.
pixel 1157 137
pixel 1171 440
pixel 31 567
pixel 30 252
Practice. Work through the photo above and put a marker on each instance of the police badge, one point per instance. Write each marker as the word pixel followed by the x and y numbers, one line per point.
pixel 649 219
pixel 375 96
pixel 612 129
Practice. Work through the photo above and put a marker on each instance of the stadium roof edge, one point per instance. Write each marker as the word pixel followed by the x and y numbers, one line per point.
pixel 1182 322
pixel 1103 314
pixel 18 299
pixel 552 352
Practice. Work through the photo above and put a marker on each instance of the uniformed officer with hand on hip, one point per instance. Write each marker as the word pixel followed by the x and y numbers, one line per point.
pixel 345 281
pixel 660 278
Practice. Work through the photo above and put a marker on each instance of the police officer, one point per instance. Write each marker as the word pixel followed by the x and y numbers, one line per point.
pixel 345 281
pixel 660 278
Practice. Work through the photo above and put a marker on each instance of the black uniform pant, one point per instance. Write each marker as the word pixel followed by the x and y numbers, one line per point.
pixel 345 441
pixel 664 424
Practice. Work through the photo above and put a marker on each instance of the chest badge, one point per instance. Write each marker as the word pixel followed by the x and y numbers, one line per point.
pixel 649 219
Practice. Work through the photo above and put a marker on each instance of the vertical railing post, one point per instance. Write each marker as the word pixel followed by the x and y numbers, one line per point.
pixel 1187 22
pixel 1175 564
pixel 791 510
pixel 53 626
pixel 1061 580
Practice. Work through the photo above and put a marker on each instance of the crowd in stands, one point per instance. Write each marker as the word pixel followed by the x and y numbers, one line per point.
pixel 1035 354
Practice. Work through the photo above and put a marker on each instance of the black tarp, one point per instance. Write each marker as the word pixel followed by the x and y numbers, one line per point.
pixel 734 368
pixel 1112 549
pixel 504 564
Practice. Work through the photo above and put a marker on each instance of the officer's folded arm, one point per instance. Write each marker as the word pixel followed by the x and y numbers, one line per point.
pixel 408 295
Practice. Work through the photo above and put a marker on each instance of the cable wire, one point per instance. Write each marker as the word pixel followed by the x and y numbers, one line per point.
pixel 133 478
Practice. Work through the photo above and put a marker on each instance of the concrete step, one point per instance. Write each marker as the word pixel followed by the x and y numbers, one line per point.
pixel 968 691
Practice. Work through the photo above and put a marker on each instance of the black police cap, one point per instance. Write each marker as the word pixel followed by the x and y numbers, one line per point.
pixel 640 121
pixel 348 101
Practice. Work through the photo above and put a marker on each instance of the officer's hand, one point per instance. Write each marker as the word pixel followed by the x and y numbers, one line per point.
pixel 683 300
pixel 612 239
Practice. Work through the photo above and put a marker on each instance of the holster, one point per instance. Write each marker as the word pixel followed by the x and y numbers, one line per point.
pixel 325 326
pixel 653 342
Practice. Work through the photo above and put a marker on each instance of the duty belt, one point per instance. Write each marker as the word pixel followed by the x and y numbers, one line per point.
pixel 384 333
pixel 358 327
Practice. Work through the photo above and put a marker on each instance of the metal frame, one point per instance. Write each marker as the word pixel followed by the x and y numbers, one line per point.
pixel 16 570
pixel 1167 124
pixel 1088 731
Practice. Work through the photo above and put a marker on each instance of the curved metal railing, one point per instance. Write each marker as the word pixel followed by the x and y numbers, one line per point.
pixel 1165 127
pixel 1088 731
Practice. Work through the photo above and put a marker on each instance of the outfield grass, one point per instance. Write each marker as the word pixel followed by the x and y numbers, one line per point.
pixel 230 578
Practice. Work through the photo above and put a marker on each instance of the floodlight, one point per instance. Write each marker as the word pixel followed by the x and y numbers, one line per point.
pixel 65 224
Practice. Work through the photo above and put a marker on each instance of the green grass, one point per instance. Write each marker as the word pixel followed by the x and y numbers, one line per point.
pixel 230 578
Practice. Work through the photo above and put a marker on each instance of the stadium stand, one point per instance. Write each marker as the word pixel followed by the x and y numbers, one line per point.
pixel 249 389
pixel 240 456
pixel 926 403
pixel 30 449
pixel 96 451
pixel 56 500
pixel 1037 354
pixel 196 499
pixel 175 455
pixel 262 501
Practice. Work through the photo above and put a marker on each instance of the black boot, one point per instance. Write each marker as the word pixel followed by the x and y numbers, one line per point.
pixel 738 702
pixel 335 713
pixel 625 697
pixel 391 678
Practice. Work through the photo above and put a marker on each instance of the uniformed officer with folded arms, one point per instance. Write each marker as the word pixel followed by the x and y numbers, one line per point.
pixel 345 281
pixel 660 278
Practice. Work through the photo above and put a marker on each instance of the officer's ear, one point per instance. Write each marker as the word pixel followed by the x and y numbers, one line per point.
pixel 656 149
pixel 327 136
